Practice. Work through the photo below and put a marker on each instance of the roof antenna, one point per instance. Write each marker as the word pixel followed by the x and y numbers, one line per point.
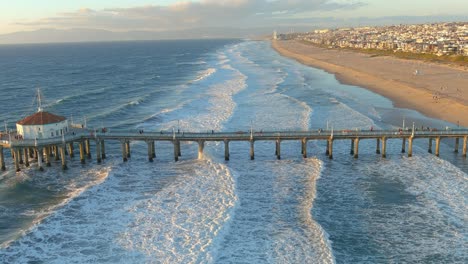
pixel 39 99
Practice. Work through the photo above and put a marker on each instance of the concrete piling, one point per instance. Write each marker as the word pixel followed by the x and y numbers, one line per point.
pixel 356 148
pixel 465 139
pixel 17 160
pixel 26 157
pixel 252 150
pixel 437 146
pixel 327 150
pixel 179 153
pixel 430 146
pixel 70 150
pixel 150 151
pixel 377 149
pixel 2 159
pixel 384 147
pixel 201 146
pixel 20 156
pixel 176 151
pixel 330 148
pixel 278 149
pixel 56 153
pixel 40 153
pixel 47 155
pixel 226 150
pixel 82 152
pixel 127 148
pixel 351 152
pixel 88 149
pixel 103 150
pixel 124 151
pixel 98 151
pixel 403 145
pixel 457 143
pixel 410 147
pixel 153 149
pixel 304 148
pixel 63 156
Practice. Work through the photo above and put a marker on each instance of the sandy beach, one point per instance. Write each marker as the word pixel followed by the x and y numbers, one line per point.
pixel 435 90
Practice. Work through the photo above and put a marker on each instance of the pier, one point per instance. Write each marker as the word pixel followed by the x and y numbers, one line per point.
pixel 23 151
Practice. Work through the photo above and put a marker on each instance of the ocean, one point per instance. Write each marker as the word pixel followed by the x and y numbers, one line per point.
pixel 293 210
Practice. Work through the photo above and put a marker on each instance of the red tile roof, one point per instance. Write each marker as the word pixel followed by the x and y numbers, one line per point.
pixel 41 118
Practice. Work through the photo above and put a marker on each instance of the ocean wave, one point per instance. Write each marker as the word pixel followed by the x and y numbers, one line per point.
pixel 192 63
pixel 204 75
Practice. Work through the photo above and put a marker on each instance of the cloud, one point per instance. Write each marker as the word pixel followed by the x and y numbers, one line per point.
pixel 186 14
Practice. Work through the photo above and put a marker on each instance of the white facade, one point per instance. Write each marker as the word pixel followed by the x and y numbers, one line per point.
pixel 45 131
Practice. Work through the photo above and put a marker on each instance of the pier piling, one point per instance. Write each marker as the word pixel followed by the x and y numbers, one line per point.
pixel 430 146
pixel 127 148
pixel 351 152
pixel 201 146
pixel 26 157
pixel 278 149
pixel 2 159
pixel 356 148
pixel 176 152
pixel 304 148
pixel 56 153
pixel 16 159
pixel 403 145
pixel 63 156
pixel 377 150
pixel 150 151
pixel 330 148
pixel 252 150
pixel 98 151
pixel 457 143
pixel 437 146
pixel 20 156
pixel 124 151
pixel 153 149
pixel 103 149
pixel 88 149
pixel 384 147
pixel 82 152
pixel 47 155
pixel 226 150
pixel 40 153
pixel 465 139
pixel 70 150
pixel 410 147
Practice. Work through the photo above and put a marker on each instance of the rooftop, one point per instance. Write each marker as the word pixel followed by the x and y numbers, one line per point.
pixel 41 118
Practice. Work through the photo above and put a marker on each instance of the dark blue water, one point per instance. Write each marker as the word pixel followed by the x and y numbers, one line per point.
pixel 370 210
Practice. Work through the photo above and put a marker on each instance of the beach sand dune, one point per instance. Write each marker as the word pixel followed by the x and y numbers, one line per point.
pixel 438 91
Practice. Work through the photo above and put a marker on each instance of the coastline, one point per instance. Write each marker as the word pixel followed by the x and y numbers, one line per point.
pixel 436 91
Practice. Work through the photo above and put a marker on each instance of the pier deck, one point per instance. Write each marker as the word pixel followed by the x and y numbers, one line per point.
pixel 82 137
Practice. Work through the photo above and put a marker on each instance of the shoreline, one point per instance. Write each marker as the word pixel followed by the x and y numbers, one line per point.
pixel 439 92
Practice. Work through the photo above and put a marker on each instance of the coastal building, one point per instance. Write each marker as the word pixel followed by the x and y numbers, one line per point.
pixel 42 125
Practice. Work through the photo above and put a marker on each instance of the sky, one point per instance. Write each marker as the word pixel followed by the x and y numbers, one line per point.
pixel 170 15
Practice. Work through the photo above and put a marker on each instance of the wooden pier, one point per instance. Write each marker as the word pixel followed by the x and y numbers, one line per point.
pixel 58 148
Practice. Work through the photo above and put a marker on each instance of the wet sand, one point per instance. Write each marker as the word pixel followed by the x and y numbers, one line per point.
pixel 438 91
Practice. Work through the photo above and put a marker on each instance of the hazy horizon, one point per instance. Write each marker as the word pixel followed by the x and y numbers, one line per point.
pixel 27 21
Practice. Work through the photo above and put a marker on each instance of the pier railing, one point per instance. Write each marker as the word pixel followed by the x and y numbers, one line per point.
pixel 82 137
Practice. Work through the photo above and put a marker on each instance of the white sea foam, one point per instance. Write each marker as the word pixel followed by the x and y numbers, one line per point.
pixel 178 224
pixel 204 74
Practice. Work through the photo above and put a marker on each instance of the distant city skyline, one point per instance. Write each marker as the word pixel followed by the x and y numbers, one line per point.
pixel 176 15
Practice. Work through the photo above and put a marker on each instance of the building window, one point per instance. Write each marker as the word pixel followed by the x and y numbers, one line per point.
pixel 52 134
